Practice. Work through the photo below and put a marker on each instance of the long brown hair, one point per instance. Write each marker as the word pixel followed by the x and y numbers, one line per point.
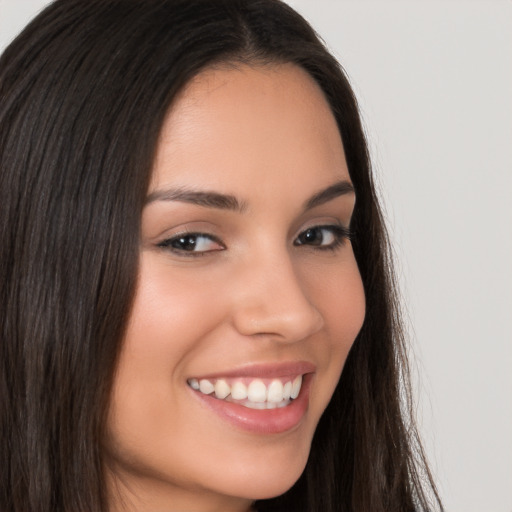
pixel 84 90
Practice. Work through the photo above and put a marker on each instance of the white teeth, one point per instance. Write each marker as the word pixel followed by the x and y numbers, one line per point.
pixel 239 391
pixel 257 391
pixel 256 405
pixel 206 387
pixel 275 391
pixel 255 396
pixel 222 389
pixel 264 405
pixel 287 390
pixel 297 383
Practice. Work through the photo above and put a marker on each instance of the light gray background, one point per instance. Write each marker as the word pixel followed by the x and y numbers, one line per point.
pixel 434 79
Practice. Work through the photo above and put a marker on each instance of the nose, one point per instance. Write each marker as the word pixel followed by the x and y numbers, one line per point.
pixel 270 299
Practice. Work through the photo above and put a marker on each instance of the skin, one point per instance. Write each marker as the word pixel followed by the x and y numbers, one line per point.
pixel 266 135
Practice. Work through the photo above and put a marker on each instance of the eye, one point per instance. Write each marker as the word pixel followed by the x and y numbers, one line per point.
pixel 192 244
pixel 323 237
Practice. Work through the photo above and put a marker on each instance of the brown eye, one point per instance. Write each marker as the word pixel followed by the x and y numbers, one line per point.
pixel 314 236
pixel 192 243
pixel 323 237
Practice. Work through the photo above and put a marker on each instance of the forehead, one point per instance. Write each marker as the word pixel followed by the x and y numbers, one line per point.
pixel 248 127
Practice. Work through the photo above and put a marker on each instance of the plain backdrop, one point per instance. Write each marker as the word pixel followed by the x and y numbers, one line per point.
pixel 434 80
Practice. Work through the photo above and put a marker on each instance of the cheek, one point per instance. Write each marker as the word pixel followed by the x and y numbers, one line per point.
pixel 341 300
pixel 346 312
pixel 337 292
pixel 168 321
pixel 166 326
pixel 169 302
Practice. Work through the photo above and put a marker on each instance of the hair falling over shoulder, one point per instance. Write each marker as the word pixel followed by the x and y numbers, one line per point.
pixel 85 88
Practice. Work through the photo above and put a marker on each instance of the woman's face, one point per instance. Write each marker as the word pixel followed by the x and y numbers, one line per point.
pixel 247 285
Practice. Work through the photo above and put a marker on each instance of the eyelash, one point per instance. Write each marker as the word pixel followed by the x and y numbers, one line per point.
pixel 340 234
pixel 180 238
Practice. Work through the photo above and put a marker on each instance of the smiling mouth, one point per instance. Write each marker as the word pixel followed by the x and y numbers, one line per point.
pixel 254 393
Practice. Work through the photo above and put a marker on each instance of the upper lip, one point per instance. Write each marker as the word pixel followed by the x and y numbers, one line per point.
pixel 265 370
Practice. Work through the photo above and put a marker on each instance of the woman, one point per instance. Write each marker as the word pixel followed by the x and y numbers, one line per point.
pixel 192 255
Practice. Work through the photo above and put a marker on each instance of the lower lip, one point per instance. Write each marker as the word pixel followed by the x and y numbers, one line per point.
pixel 261 421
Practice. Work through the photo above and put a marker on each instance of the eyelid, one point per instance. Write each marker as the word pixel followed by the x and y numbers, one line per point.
pixel 328 223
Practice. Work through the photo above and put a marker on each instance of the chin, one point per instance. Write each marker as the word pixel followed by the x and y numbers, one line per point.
pixel 269 475
pixel 271 485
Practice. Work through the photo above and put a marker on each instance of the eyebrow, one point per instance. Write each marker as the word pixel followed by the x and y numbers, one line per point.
pixel 229 202
pixel 200 198
pixel 338 189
